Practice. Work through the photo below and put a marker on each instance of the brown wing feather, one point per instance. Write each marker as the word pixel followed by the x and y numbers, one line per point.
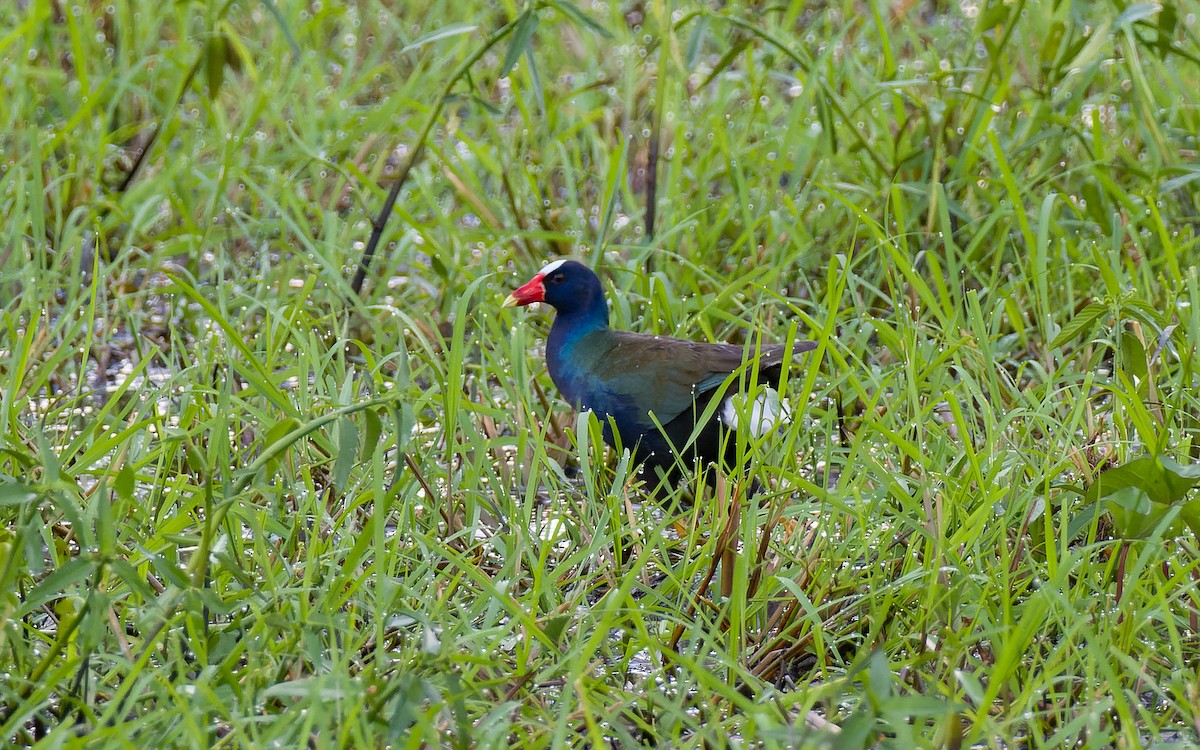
pixel 665 374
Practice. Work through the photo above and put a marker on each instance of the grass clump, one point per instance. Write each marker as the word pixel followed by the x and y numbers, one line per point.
pixel 245 505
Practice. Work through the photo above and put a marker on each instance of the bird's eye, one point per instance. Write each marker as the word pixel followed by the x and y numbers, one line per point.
pixel 558 278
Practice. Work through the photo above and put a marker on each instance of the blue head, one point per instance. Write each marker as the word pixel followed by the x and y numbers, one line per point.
pixel 579 334
pixel 570 288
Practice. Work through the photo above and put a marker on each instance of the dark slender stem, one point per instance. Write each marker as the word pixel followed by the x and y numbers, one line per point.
pixel 806 65
pixel 380 221
pixel 652 177
pixel 149 144
pixel 730 492
pixel 1194 615
pixel 187 84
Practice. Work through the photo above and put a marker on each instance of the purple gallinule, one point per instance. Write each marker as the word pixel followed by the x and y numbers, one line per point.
pixel 637 382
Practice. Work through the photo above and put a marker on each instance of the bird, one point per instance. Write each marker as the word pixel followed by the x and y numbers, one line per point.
pixel 649 391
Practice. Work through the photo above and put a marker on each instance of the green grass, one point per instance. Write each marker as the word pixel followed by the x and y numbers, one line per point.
pixel 244 506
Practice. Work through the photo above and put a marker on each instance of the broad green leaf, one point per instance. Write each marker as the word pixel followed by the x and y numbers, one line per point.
pixel 214 63
pixel 1133 359
pixel 52 587
pixel 372 429
pixel 554 626
pixel 1136 473
pixel 1190 513
pixel 280 430
pixel 1139 493
pixel 1133 514
pixel 15 493
pixel 1180 477
pixel 125 482
pixel 1083 322
pixel 995 13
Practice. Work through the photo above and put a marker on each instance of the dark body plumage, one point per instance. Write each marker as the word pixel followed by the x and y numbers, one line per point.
pixel 626 376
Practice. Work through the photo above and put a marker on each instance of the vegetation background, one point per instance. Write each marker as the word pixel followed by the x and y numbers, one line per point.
pixel 244 505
